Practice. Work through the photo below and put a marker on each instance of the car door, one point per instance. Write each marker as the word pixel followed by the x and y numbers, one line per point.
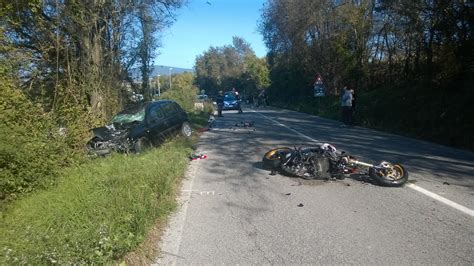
pixel 157 122
pixel 171 115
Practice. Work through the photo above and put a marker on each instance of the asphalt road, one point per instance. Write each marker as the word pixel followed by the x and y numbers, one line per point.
pixel 233 212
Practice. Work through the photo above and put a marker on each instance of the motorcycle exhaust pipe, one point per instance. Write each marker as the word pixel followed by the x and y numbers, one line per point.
pixel 360 163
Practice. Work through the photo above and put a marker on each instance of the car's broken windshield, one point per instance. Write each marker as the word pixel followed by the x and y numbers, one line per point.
pixel 129 116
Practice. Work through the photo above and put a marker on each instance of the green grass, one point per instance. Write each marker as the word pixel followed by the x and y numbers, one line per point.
pixel 98 212
pixel 198 119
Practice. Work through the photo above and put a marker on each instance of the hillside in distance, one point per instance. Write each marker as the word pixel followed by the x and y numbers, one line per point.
pixel 160 70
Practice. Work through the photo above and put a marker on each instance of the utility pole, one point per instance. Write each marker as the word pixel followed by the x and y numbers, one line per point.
pixel 170 75
pixel 159 90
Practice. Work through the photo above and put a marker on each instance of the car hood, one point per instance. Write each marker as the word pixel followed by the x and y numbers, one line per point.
pixel 110 132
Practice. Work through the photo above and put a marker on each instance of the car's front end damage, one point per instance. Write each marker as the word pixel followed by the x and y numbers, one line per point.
pixel 110 139
pixel 117 135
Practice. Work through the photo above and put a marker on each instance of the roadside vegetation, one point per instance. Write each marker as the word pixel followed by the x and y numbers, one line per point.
pixel 61 207
pixel 64 69
pixel 98 211
pixel 58 205
pixel 411 63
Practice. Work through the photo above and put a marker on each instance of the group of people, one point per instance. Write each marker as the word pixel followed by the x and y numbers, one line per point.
pixel 348 103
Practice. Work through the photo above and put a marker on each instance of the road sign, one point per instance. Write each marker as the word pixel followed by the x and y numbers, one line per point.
pixel 319 90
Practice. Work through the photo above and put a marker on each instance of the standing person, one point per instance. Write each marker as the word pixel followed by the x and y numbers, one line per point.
pixel 220 103
pixel 346 103
pixel 237 97
pixel 262 98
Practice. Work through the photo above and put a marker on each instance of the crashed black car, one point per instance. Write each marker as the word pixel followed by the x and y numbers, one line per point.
pixel 139 127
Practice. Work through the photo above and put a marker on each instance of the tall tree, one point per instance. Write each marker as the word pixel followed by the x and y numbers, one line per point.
pixel 365 42
pixel 76 54
pixel 221 68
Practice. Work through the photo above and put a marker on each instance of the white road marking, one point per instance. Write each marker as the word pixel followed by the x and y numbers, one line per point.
pixel 442 199
pixel 207 193
pixel 285 126
pixel 202 193
pixel 428 193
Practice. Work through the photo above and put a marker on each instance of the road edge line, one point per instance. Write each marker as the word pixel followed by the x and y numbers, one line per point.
pixel 444 200
pixel 171 239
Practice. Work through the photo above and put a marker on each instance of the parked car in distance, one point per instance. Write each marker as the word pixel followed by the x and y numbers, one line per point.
pixel 139 127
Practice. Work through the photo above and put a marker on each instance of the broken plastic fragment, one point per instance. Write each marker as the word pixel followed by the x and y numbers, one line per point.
pixel 197 156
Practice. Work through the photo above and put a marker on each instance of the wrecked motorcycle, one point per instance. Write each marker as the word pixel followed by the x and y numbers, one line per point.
pixel 324 161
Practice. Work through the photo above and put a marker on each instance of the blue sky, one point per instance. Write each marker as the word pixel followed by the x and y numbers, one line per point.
pixel 200 25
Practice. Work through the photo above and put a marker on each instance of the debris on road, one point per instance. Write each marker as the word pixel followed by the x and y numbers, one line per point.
pixel 300 205
pixel 446 183
pixel 197 156
pixel 244 125
pixel 288 194
pixel 297 184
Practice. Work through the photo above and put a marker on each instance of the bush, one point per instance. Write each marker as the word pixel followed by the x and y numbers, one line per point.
pixel 31 148
pixel 183 91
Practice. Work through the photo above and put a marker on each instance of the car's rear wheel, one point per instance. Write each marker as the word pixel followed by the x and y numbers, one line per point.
pixel 186 130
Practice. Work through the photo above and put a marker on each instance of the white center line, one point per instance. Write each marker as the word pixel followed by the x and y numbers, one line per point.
pixel 285 126
pixel 428 193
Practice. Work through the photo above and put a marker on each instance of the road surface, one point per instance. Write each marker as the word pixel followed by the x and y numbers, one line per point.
pixel 233 212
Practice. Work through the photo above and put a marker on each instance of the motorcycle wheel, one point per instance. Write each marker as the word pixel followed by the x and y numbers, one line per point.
pixel 393 176
pixel 272 158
